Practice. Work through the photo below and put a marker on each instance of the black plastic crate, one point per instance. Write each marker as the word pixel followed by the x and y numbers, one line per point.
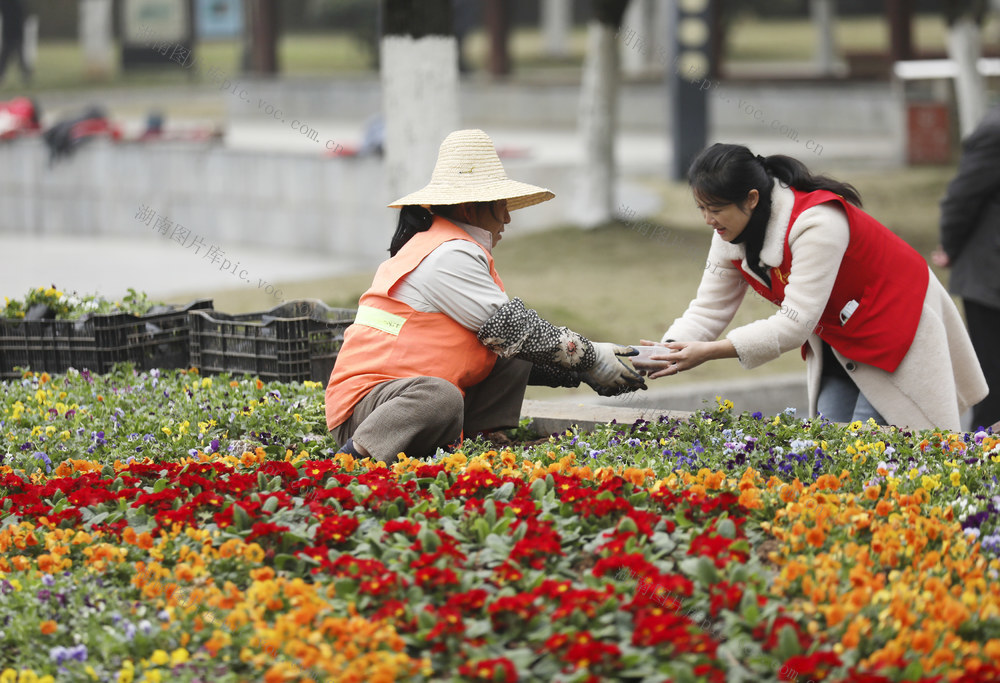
pixel 162 339
pixel 97 342
pixel 294 342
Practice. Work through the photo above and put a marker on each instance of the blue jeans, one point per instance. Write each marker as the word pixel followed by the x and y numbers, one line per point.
pixel 840 400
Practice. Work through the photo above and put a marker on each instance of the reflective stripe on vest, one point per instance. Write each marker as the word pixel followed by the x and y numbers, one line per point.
pixel 380 320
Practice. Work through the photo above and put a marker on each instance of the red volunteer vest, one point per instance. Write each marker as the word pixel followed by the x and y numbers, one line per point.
pixel 390 340
pixel 880 271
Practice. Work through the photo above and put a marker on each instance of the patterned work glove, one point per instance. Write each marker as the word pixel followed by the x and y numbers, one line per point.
pixel 553 376
pixel 609 376
pixel 517 331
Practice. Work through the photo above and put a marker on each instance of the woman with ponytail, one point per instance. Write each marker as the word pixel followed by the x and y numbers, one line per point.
pixel 880 335
pixel 437 349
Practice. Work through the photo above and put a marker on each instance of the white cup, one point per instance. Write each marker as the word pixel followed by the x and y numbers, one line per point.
pixel 644 360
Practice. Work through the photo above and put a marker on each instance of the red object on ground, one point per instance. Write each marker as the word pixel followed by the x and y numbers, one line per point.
pixel 928 132
pixel 18 117
pixel 95 126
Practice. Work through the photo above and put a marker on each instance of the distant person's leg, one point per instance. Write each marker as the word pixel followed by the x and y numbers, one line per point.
pixel 984 327
pixel 837 399
pixel 23 59
pixel 5 48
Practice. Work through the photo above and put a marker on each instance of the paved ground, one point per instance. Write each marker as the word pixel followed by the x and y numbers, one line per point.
pixel 160 268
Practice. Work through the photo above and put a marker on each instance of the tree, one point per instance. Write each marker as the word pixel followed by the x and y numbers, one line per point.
pixel 261 47
pixel 419 72
pixel 598 114
pixel 965 18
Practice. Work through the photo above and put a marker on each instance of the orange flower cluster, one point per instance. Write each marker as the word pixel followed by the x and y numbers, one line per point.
pixel 888 574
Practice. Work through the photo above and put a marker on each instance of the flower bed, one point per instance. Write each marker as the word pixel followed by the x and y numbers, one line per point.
pixel 169 527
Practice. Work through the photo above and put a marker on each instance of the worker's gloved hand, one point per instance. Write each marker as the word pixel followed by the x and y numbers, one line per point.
pixel 609 376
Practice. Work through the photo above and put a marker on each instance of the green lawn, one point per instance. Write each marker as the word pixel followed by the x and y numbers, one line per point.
pixel 60 65
pixel 754 39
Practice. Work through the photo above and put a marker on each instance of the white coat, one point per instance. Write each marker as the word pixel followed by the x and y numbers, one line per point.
pixel 938 379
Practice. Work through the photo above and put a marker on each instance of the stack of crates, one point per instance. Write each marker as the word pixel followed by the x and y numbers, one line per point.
pixel 97 342
pixel 294 342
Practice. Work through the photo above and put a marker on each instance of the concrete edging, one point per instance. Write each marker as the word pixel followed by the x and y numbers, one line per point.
pixel 551 417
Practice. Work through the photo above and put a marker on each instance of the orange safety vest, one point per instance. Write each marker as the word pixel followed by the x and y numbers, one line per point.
pixel 390 340
pixel 882 273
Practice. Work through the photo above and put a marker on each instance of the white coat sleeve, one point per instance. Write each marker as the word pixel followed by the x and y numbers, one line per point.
pixel 719 295
pixel 818 240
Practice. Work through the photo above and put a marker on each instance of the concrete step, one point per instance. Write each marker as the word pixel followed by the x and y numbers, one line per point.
pixel 551 417
pixel 770 394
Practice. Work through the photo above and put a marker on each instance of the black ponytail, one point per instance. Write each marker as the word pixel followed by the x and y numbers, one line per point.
pixel 794 173
pixel 412 219
pixel 725 174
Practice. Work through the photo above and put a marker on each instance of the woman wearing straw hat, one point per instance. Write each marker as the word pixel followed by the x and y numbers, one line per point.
pixel 437 348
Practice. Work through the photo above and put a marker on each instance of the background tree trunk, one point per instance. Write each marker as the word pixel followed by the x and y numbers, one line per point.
pixel 965 49
pixel 95 37
pixel 824 14
pixel 419 73
pixel 498 26
pixel 261 23
pixel 595 201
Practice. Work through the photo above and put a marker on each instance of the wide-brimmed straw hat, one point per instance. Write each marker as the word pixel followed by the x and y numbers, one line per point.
pixel 469 170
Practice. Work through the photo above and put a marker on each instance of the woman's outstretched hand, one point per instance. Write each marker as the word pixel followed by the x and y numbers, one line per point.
pixel 679 356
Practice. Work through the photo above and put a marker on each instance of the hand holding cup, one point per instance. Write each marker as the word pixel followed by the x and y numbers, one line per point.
pixel 652 356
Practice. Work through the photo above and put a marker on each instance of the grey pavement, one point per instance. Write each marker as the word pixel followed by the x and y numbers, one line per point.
pixel 157 266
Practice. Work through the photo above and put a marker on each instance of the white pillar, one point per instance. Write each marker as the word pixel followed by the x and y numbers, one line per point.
pixel 965 49
pixel 95 37
pixel 557 18
pixel 823 18
pixel 31 40
pixel 595 202
pixel 638 56
pixel 663 12
pixel 420 106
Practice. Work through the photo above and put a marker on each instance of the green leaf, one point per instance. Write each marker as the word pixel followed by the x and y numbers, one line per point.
pixel 627 525
pixel 727 529
pixel 700 568
pixel 160 485
pixel 425 620
pixel 270 505
pixel 97 519
pixel 788 643
pixel 749 609
pixel 477 628
pixel 288 562
pixel 241 520
pixel 912 672
pixel 428 540
pixel 481 528
pixel 345 588
pixel 538 489
pixel 505 492
pixel 436 491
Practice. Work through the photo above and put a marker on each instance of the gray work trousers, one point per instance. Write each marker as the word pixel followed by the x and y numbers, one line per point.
pixel 418 415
